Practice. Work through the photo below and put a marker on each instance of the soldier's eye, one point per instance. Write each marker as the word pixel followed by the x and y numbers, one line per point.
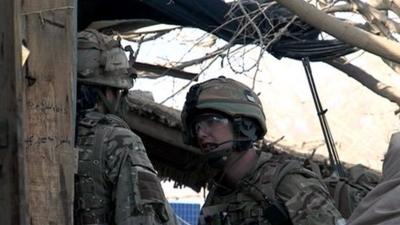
pixel 209 121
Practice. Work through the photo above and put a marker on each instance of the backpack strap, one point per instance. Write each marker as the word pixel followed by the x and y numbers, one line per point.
pixel 343 199
pixel 337 193
pixel 314 167
pixel 91 166
pixel 282 171
pixel 274 209
pixel 117 121
pixel 101 133
pixel 91 119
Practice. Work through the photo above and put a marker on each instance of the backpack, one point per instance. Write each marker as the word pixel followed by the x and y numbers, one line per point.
pixel 348 192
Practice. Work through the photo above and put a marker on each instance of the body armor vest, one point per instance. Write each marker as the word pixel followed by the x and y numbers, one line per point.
pixel 254 201
pixel 92 190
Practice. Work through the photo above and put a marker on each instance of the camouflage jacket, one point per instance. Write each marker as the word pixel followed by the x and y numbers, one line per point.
pixel 289 188
pixel 116 184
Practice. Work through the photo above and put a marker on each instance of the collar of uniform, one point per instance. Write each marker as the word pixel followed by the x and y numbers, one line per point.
pixel 263 157
pixel 93 114
pixel 116 120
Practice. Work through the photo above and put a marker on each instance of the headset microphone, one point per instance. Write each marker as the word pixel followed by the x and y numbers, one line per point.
pixel 217 159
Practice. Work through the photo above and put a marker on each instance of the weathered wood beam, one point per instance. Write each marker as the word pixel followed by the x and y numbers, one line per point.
pixel 141 115
pixel 146 70
pixel 49 32
pixel 12 189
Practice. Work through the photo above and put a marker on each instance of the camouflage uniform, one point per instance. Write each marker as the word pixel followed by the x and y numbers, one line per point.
pixel 297 190
pixel 116 183
pixel 272 192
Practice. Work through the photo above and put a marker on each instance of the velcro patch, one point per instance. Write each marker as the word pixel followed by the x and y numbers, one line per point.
pixel 150 187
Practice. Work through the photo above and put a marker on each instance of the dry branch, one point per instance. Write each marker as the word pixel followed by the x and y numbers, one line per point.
pixel 146 36
pixel 343 31
pixel 339 8
pixel 200 60
pixel 389 92
pixel 393 5
pixel 377 18
pixel 381 22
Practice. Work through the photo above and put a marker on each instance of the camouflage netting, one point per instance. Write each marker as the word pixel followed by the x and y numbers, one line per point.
pixel 160 129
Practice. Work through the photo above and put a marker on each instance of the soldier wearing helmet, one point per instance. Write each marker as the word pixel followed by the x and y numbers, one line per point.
pixel 116 183
pixel 224 118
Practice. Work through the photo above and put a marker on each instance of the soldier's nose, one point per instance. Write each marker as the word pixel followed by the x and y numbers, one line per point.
pixel 201 134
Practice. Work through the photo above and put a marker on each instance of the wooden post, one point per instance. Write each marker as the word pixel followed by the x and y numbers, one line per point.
pixel 12 193
pixel 37 111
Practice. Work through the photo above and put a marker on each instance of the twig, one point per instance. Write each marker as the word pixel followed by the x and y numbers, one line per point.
pixel 188 84
pixel 202 59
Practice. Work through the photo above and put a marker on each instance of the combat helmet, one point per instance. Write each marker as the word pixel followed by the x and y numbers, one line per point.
pixel 229 97
pixel 102 61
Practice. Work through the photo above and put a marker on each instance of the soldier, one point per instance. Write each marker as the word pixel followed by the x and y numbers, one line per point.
pixel 224 118
pixel 116 184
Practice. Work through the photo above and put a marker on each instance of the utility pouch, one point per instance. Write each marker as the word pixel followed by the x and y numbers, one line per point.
pixel 277 214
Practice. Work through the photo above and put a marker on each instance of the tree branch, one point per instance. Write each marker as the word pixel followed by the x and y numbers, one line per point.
pixel 389 92
pixel 345 32
pixel 200 60
pixel 339 8
pixel 378 18
pixel 393 5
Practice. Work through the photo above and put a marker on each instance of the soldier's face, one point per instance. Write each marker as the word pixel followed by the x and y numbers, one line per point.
pixel 213 132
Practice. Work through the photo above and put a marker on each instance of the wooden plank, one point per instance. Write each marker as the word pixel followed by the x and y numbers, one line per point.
pixel 155 120
pixel 157 131
pixel 49 33
pixel 37 113
pixel 12 197
pixel 146 70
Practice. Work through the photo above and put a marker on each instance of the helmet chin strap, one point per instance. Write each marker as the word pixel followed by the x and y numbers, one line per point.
pixel 111 107
pixel 217 158
pixel 244 137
